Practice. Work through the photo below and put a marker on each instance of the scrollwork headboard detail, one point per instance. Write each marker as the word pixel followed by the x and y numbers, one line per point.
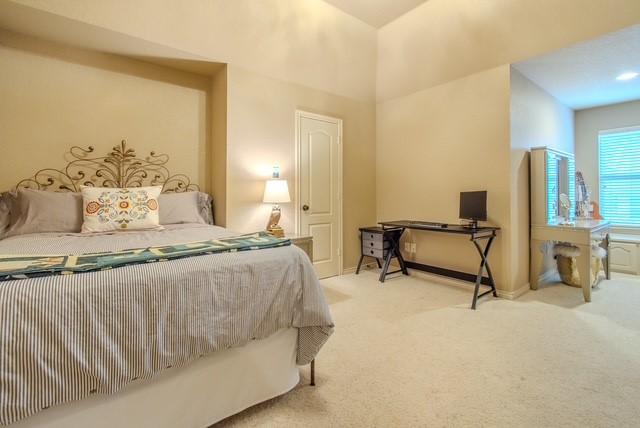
pixel 120 168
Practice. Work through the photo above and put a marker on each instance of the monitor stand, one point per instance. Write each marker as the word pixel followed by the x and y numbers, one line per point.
pixel 471 225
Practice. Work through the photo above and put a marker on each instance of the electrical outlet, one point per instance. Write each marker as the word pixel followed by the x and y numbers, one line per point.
pixel 407 247
pixel 413 247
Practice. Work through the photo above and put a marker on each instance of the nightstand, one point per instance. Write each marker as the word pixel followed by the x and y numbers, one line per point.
pixel 303 241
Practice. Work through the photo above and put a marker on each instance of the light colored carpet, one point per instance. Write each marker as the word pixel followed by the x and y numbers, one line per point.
pixel 410 353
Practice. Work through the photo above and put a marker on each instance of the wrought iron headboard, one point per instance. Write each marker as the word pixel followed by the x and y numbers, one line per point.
pixel 119 168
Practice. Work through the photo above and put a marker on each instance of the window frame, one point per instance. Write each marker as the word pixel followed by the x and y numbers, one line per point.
pixel 602 132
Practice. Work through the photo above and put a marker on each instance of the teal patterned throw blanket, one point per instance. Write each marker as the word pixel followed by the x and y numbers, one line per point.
pixel 21 267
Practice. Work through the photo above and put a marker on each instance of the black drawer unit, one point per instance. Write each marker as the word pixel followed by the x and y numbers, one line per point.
pixel 381 244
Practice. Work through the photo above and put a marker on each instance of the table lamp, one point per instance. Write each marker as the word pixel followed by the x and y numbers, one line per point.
pixel 276 192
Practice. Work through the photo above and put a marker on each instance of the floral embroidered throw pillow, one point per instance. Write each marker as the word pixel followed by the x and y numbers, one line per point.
pixel 110 209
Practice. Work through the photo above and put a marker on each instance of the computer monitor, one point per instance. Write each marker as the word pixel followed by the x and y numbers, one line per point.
pixel 473 206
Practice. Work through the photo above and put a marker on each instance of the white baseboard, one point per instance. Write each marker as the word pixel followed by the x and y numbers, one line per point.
pixel 347 271
pixel 514 294
pixel 350 270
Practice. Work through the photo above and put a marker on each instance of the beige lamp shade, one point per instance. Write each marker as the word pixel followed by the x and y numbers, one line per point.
pixel 276 191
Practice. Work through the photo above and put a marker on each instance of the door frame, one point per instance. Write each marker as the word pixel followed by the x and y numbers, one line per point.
pixel 298 117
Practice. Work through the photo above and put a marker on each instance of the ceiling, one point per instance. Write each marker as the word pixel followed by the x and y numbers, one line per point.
pixel 376 12
pixel 584 75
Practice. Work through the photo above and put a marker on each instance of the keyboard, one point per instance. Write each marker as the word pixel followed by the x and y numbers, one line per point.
pixel 429 224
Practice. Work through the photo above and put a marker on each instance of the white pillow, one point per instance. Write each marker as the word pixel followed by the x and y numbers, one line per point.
pixel 110 209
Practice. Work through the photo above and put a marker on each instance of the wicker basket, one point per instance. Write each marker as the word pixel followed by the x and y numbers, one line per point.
pixel 568 267
pixel 568 270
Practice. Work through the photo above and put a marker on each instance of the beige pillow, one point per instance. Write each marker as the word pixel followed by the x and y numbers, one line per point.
pixel 37 211
pixel 205 205
pixel 6 201
pixel 133 208
pixel 181 207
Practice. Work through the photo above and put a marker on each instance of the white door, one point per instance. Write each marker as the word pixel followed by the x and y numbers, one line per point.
pixel 320 181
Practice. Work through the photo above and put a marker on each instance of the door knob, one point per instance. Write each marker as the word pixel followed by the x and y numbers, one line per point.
pixel 305 207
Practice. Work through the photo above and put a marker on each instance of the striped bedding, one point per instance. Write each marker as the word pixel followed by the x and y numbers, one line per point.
pixel 63 338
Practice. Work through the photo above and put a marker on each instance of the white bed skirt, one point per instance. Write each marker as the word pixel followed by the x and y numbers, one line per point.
pixel 198 395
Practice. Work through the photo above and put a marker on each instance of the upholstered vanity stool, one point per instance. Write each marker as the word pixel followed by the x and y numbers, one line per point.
pixel 380 243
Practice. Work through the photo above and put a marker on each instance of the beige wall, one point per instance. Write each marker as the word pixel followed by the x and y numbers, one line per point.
pixel 588 123
pixel 443 40
pixel 537 119
pixel 433 144
pixel 299 41
pixel 445 66
pixel 261 133
pixel 217 153
pixel 54 97
pixel 443 82
pixel 282 55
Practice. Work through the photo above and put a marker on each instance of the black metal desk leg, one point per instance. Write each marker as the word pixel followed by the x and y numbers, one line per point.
pixel 313 373
pixel 477 285
pixel 484 254
pixel 484 264
pixel 403 268
pixel 392 238
pixel 385 267
pixel 360 264
pixel 493 283
pixel 396 249
pixel 398 254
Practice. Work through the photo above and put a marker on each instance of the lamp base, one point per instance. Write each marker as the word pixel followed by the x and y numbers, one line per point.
pixel 276 231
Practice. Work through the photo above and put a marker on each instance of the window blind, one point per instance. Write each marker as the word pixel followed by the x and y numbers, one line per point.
pixel 571 170
pixel 552 187
pixel 619 164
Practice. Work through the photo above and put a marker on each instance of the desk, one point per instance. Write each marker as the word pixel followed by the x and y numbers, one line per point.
pixel 580 234
pixel 476 236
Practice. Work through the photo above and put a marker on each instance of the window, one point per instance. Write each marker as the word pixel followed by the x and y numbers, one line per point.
pixel 619 158
pixel 560 167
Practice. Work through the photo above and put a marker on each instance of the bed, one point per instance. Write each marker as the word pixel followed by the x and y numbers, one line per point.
pixel 185 342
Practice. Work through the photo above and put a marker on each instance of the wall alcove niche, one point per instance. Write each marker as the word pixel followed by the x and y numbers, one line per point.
pixel 57 95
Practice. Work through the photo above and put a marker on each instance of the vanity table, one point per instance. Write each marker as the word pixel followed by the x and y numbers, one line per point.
pixel 552 175
pixel 581 234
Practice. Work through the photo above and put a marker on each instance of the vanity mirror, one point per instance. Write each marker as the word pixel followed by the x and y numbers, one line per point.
pixel 552 176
